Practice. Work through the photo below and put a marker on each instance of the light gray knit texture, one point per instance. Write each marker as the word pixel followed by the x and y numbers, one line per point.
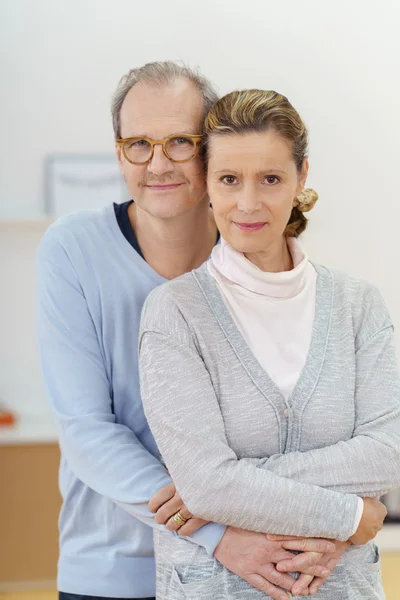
pixel 241 455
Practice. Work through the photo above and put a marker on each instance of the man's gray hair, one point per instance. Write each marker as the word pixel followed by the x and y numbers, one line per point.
pixel 159 73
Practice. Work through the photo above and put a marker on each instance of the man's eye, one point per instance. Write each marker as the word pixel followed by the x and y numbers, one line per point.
pixel 229 179
pixel 180 141
pixel 139 144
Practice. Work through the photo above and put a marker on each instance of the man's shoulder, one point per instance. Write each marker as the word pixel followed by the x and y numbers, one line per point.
pixel 74 225
pixel 74 230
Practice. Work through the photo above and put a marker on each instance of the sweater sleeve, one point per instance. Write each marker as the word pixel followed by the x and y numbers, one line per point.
pixel 184 415
pixel 105 455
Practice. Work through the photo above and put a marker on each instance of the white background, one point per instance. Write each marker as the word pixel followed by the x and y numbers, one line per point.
pixel 338 62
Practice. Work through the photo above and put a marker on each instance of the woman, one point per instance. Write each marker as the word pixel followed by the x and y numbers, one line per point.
pixel 270 384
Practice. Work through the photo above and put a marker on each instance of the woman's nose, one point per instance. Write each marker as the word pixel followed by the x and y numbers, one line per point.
pixel 248 202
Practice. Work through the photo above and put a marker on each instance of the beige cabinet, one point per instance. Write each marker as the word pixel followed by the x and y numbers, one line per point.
pixel 29 507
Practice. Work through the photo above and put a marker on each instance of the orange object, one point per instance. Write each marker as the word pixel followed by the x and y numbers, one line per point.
pixel 7 418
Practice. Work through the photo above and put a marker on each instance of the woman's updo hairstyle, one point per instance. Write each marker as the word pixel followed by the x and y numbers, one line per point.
pixel 262 110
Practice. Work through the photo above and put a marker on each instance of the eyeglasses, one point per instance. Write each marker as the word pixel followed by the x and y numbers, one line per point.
pixel 178 148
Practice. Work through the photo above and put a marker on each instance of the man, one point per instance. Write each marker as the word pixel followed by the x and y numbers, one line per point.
pixel 95 270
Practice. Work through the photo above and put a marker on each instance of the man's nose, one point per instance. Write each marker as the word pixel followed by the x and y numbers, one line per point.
pixel 160 164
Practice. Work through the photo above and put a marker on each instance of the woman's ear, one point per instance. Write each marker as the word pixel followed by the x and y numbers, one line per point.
pixel 302 176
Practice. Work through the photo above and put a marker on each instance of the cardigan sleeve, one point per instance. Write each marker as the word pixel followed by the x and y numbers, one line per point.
pixel 184 415
pixel 368 464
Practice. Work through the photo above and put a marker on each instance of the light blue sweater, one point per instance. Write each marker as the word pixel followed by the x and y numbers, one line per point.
pixel 91 287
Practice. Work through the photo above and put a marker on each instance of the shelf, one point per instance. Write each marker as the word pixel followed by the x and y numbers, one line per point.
pixel 25 225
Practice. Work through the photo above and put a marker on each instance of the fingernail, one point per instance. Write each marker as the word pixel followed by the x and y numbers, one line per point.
pixel 325 572
pixel 331 547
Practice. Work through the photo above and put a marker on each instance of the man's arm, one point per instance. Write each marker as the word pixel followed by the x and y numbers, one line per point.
pixel 103 454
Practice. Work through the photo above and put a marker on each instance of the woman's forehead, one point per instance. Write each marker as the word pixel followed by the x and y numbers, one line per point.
pixel 259 147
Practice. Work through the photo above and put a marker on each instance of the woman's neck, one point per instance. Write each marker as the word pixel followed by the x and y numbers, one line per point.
pixel 275 259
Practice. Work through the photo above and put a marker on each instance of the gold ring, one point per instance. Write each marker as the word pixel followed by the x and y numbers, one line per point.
pixel 179 519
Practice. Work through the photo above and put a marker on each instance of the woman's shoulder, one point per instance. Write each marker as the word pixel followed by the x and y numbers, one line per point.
pixel 346 283
pixel 177 298
pixel 175 291
pixel 363 298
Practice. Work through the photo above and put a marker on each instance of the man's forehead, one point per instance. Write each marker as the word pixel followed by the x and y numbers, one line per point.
pixel 155 110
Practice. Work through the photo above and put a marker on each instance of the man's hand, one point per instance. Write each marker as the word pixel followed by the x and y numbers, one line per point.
pixel 308 583
pixel 371 521
pixel 253 557
pixel 329 561
pixel 166 503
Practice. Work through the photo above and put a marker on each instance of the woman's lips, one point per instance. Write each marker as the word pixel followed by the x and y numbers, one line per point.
pixel 250 226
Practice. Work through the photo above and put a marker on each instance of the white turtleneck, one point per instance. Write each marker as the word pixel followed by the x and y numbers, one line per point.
pixel 273 311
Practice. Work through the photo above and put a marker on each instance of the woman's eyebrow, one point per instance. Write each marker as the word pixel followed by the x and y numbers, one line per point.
pixel 259 172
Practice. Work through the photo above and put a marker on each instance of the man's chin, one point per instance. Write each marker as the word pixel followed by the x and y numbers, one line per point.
pixel 168 207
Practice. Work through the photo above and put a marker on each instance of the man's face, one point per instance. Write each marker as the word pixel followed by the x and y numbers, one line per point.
pixel 162 188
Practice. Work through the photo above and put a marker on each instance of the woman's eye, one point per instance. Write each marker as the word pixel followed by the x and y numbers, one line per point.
pixel 229 179
pixel 272 179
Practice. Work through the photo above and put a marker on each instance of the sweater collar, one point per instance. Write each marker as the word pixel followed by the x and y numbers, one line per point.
pixel 235 267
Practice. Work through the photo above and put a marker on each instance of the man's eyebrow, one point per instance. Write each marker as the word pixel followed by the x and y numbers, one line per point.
pixel 144 135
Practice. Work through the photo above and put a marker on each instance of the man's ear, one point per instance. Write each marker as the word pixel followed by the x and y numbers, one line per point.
pixel 120 158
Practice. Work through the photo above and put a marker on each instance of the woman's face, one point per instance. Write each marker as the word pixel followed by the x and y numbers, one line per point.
pixel 252 182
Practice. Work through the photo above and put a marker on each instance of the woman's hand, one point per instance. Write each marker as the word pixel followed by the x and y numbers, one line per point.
pixel 371 521
pixel 166 503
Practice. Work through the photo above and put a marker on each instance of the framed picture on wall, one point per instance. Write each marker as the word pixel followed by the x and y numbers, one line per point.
pixel 76 182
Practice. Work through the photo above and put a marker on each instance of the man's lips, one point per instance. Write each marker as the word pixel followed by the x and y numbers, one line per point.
pixel 250 226
pixel 163 186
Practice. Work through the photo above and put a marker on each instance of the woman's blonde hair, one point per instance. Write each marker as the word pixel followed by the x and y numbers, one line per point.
pixel 261 110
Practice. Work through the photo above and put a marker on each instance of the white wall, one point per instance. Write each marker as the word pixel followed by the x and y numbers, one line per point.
pixel 21 385
pixel 338 62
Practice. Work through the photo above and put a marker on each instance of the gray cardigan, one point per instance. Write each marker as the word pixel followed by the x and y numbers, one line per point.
pixel 241 455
